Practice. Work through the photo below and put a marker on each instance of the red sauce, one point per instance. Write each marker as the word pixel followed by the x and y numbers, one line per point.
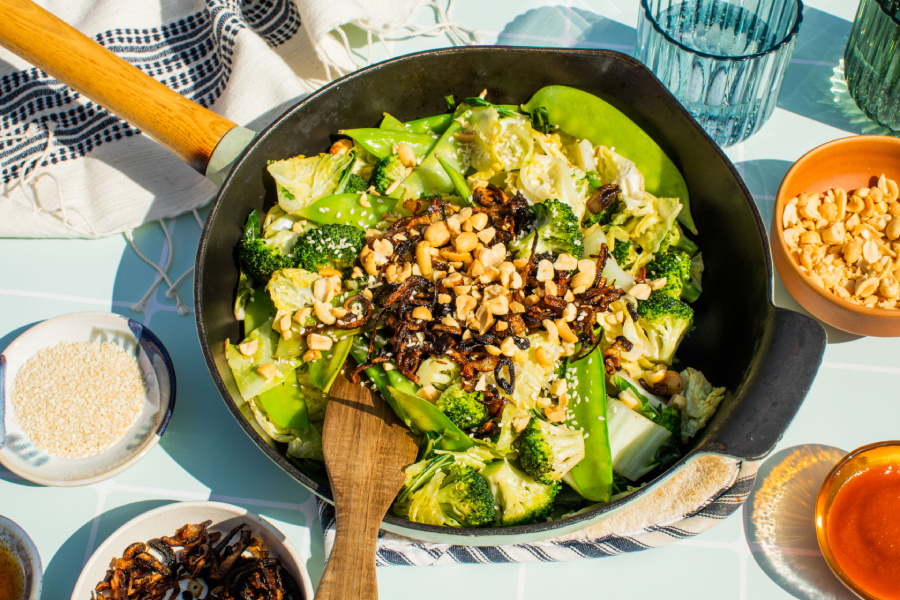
pixel 863 530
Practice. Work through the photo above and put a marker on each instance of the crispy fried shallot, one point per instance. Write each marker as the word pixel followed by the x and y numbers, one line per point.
pixel 240 571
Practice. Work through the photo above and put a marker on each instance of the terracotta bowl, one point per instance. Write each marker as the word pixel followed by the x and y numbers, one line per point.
pixel 849 163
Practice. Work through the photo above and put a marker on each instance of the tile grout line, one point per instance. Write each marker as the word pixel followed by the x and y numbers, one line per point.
pixel 852 367
pixel 520 583
pixel 102 490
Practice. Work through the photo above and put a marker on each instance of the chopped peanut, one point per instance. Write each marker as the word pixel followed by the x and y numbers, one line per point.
pixel 323 313
pixel 248 348
pixel 319 342
pixel 429 393
pixel 565 262
pixel 843 242
pixel 268 371
pixel 544 271
pixel 421 313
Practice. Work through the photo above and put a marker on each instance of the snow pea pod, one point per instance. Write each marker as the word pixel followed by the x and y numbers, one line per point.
pixel 458 180
pixel 430 177
pixel 592 477
pixel 285 404
pixel 260 309
pixel 345 209
pixel 427 417
pixel 584 115
pixel 392 123
pixel 437 124
pixel 382 382
pixel 323 371
pixel 381 142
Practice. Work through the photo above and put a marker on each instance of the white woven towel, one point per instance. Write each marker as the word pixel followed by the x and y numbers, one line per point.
pixel 68 168
pixel 703 494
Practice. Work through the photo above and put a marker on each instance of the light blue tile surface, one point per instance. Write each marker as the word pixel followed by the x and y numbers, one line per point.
pixel 651 574
pixel 205 454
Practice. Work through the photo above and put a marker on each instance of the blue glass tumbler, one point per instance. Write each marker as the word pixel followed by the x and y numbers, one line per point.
pixel 872 61
pixel 723 59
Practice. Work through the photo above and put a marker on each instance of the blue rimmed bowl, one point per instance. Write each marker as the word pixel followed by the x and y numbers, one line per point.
pixel 21 456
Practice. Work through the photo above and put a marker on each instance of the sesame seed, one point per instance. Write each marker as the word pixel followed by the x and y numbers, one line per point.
pixel 76 399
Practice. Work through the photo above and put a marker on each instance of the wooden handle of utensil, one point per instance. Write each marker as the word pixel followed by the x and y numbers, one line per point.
pixel 350 572
pixel 187 129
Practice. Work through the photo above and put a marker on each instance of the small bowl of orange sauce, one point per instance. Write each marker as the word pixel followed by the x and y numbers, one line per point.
pixel 858 521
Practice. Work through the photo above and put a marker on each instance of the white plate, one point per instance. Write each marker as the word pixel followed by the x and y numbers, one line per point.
pixel 22 457
pixel 165 520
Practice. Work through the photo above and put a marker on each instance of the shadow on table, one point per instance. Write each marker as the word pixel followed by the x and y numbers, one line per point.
pixel 763 177
pixel 780 522
pixel 63 570
pixel 561 26
pixel 813 83
pixel 10 337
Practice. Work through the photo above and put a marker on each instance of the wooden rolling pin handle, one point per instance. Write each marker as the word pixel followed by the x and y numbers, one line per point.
pixel 187 129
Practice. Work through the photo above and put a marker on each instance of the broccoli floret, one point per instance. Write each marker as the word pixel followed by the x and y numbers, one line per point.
pixel 439 491
pixel 604 217
pixel 335 246
pixel 257 259
pixel 464 408
pixel 676 239
pixel 355 184
pixel 557 229
pixel 519 498
pixel 466 498
pixel 387 170
pixel 624 252
pixel 675 266
pixel 670 418
pixel 665 320
pixel 547 452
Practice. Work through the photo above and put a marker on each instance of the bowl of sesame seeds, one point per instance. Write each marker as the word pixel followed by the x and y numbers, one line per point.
pixel 82 397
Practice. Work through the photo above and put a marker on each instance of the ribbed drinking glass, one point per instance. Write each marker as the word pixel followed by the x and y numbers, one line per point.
pixel 872 61
pixel 723 59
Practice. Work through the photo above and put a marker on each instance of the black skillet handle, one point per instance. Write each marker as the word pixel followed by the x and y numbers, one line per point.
pixel 783 371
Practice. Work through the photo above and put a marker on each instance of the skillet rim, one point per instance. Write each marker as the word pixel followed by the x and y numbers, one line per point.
pixel 402 524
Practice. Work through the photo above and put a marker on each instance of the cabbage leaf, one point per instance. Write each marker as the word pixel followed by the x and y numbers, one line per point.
pixel 702 401
pixel 301 180
pixel 291 290
pixel 500 144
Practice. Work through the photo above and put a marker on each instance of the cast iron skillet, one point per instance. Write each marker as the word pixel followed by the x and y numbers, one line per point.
pixel 766 356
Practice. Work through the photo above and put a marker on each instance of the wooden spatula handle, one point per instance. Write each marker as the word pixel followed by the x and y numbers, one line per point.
pixel 350 572
pixel 366 448
pixel 188 130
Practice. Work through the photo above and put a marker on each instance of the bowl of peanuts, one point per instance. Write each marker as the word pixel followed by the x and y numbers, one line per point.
pixel 835 234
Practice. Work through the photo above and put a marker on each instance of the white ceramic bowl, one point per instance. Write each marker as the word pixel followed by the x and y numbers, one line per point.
pixel 14 538
pixel 22 457
pixel 166 519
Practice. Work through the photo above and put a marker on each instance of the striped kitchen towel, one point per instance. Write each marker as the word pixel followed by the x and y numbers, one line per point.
pixel 69 168
pixel 704 493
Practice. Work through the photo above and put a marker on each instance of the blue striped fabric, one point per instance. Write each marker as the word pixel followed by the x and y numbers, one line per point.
pixel 717 508
pixel 192 56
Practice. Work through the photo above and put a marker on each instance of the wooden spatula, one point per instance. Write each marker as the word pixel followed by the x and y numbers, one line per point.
pixel 366 448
